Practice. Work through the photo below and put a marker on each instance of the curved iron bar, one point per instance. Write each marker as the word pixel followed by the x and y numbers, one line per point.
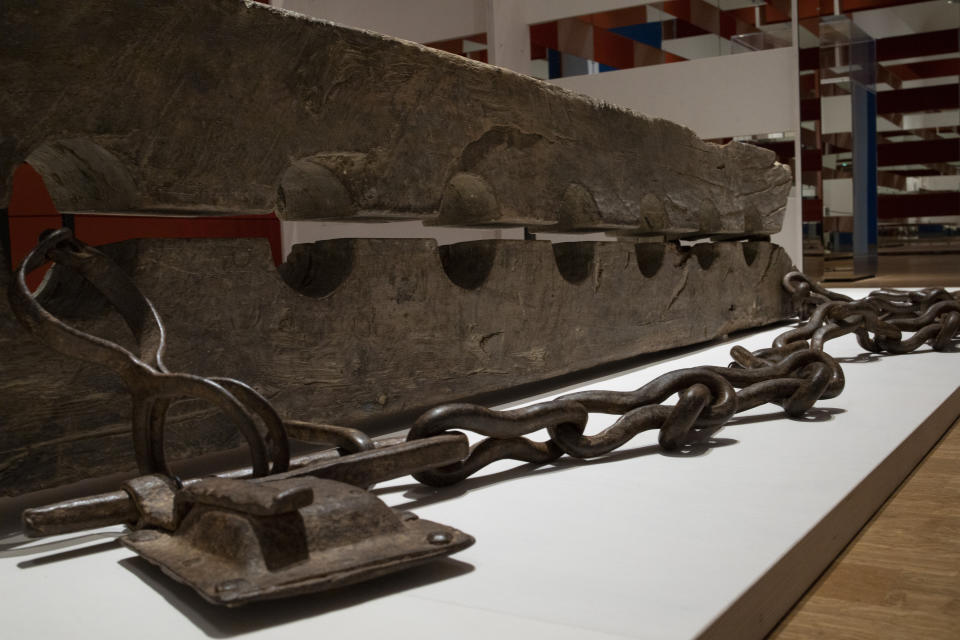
pixel 152 386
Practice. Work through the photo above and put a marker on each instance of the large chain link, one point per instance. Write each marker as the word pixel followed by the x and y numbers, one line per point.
pixel 794 373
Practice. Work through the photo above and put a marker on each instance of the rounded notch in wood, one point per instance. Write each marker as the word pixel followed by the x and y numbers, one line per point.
pixel 468 264
pixel 706 253
pixel 750 249
pixel 650 257
pixel 318 269
pixel 575 260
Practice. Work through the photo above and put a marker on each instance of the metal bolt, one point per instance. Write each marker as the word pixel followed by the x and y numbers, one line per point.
pixel 237 584
pixel 438 537
pixel 143 535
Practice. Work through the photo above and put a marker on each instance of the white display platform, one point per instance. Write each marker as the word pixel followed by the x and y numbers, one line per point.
pixel 719 541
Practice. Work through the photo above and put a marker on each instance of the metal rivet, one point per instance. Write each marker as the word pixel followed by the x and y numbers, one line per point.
pixel 237 584
pixel 144 535
pixel 438 537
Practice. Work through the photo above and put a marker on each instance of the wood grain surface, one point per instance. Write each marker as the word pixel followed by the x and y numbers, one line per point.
pixel 900 578
pixel 367 332
pixel 226 106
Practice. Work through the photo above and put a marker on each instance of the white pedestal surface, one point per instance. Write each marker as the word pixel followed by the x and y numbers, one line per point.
pixel 718 541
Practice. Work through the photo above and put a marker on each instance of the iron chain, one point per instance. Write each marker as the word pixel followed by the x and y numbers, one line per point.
pixel 794 373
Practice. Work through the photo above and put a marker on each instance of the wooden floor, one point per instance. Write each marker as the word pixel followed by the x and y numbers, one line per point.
pixel 897 270
pixel 900 577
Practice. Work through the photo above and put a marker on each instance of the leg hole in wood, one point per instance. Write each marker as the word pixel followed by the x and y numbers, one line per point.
pixel 467 264
pixel 650 258
pixel 750 251
pixel 705 253
pixel 317 269
pixel 574 260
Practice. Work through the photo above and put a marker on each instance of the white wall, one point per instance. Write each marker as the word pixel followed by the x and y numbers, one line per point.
pixel 728 96
pixel 790 236
pixel 838 196
pixel 546 10
pixel 934 183
pixel 508 35
pixel 301 231
pixel 706 45
pixel 927 120
pixel 417 20
pixel 432 20
pixel 836 115
pixel 744 94
pixel 907 19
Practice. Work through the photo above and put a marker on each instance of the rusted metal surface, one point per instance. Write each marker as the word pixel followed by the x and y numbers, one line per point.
pixel 149 500
pixel 241 541
pixel 152 387
pixel 314 527
pixel 341 123
pixel 154 498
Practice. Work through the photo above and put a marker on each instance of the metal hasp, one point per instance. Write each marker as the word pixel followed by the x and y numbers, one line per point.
pixel 240 541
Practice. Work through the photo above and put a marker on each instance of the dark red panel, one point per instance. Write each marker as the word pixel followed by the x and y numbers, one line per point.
pixel 618 17
pixel 928 69
pixel 747 15
pixel 612 49
pixel 677 9
pixel 811 159
pixel 685 30
pixel 782 149
pixel 810 109
pixel 847 6
pixel 810 59
pixel 728 25
pixel 918 152
pixel 96 229
pixel 917 44
pixel 773 14
pixel 31 211
pixel 545 34
pixel 812 209
pixel 29 196
pixel 920 99
pixel 915 205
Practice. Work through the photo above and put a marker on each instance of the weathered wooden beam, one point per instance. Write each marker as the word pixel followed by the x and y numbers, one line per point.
pixel 363 332
pixel 230 106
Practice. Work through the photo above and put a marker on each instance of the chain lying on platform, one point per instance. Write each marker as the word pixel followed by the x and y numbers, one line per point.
pixel 794 373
